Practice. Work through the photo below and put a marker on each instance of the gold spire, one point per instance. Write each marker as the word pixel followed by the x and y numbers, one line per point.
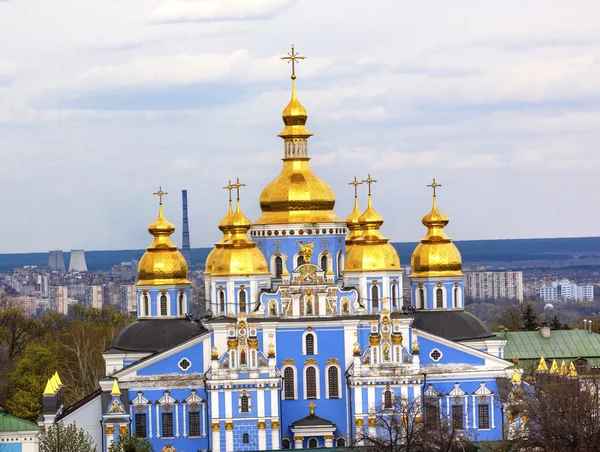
pixel 239 255
pixel 371 251
pixel 115 389
pixel 554 367
pixel 58 380
pixel 563 369
pixel 542 367
pixel 436 255
pixel 162 263
pixel 572 370
pixel 49 388
pixel 297 195
pixel 516 378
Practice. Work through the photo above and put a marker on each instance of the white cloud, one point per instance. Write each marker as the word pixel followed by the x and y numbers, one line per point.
pixel 183 10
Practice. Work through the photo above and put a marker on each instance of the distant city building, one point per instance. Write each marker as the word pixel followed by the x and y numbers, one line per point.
pixel 29 305
pixel 565 290
pixel 494 285
pixel 56 261
pixel 59 299
pixel 97 297
pixel 77 262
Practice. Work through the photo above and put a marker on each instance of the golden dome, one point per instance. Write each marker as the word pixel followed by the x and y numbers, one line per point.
pixel 297 195
pixel 238 254
pixel 371 251
pixel 162 263
pixel 213 256
pixel 436 255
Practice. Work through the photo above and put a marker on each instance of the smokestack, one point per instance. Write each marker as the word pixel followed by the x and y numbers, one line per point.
pixel 56 261
pixel 185 240
pixel 77 262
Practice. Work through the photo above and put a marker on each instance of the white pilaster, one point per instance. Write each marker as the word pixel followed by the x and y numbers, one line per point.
pixel 176 420
pixel 275 439
pixel 358 405
pixel 228 410
pixel 297 443
pixel 158 421
pixel 274 404
pixel 216 441
pixel 229 440
pixel 262 439
pixel 260 402
pixel 183 411
pixel 150 421
pixel 371 400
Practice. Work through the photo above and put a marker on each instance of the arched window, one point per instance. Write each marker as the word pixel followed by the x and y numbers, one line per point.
pixel 278 267
pixel 456 297
pixel 242 301
pixel 439 298
pixel 313 443
pixel 310 344
pixel 341 442
pixel 245 438
pixel 421 298
pixel 181 304
pixel 300 260
pixel 245 406
pixel 285 443
pixel 243 358
pixel 374 297
pixel 311 383
pixel 146 306
pixel 340 263
pixel 288 384
pixel 333 382
pixel 394 295
pixel 163 304
pixel 324 262
pixel 221 301
pixel 387 400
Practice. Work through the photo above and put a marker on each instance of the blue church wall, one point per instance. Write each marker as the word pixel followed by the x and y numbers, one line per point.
pixel 449 354
pixel 155 305
pixel 245 427
pixel 170 364
pixel 11 447
pixel 430 287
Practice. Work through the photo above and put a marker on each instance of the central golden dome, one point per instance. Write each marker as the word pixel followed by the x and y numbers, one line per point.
pixel 436 255
pixel 162 263
pixel 297 195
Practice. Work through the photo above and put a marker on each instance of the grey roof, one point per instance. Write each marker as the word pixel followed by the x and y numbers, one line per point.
pixel 451 325
pixel 155 335
pixel 312 420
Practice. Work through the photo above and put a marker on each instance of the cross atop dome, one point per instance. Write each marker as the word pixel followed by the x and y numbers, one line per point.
pixel 291 58
pixel 434 185
pixel 160 193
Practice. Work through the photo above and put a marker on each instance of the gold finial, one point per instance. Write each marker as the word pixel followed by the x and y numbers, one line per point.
pixel 554 367
pixel 160 193
pixel 237 186
pixel 229 187
pixel 49 389
pixel 311 407
pixel 115 389
pixel 356 183
pixel 58 380
pixel 369 181
pixel 542 367
pixel 291 58
pixel 516 378
pixel 434 185
pixel 572 370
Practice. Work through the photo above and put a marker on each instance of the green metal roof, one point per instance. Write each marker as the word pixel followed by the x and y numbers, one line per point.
pixel 564 344
pixel 10 423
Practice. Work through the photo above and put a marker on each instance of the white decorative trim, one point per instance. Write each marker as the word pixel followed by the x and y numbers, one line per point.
pixel 316 342
pixel 439 357
pixel 444 297
pixel 181 367
pixel 291 366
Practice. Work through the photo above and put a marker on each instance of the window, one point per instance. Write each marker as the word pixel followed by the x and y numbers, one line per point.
pixel 285 443
pixel 387 400
pixel 146 306
pixel 439 297
pixel 456 297
pixel 242 301
pixel 311 383
pixel 288 383
pixel 341 442
pixel 163 305
pixel 421 298
pixel 167 425
pixel 484 416
pixel 333 380
pixel 194 423
pixel 184 364
pixel 313 443
pixel 435 355
pixel 457 417
pixel 394 295
pixel 375 297
pixel 140 425
pixel 245 406
pixel 245 438
pixel 278 267
pixel 340 263
pixel 310 344
pixel 324 262
pixel 300 260
pixel 221 301
pixel 432 413
pixel 181 304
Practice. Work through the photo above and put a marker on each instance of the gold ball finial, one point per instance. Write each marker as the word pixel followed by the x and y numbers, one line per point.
pixel 311 407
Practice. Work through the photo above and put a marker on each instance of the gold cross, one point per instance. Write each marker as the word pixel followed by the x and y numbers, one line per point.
pixel 369 181
pixel 237 187
pixel 292 57
pixel 311 407
pixel 229 187
pixel 356 183
pixel 434 185
pixel 160 193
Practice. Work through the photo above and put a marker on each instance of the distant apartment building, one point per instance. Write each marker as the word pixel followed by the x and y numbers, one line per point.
pixel 29 305
pixel 96 297
pixel 494 285
pixel 565 290
pixel 59 299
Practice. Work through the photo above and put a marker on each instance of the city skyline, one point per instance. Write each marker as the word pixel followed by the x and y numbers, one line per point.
pixel 105 101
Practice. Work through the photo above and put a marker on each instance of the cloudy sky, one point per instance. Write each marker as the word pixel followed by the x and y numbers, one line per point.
pixel 102 101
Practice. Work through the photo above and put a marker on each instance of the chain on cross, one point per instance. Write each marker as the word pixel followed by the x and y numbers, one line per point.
pixel 292 58
pixel 356 183
pixel 369 182
pixel 160 193
pixel 434 185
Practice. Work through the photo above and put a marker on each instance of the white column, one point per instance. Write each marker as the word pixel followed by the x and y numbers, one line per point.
pixel 231 301
pixel 275 438
pixel 274 403
pixel 110 437
pixel 474 412
pixel 229 440
pixel 150 420
pixel 183 410
pixel 492 411
pixel 296 305
pixel 158 421
pixel 467 411
pixel 297 442
pixel 358 405
pixel 262 437
pixel 176 420
pixel 260 403
pixel 228 397
pixel 216 440
pixel 214 405
pixel 328 441
pixel 322 304
pixel 371 400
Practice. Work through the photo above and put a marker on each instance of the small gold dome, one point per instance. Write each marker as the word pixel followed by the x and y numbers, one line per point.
pixel 436 255
pixel 354 227
pixel 239 255
pixel 294 117
pixel 162 263
pixel 371 251
pixel 213 256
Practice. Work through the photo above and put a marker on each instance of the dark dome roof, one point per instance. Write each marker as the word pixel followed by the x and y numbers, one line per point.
pixel 451 325
pixel 155 335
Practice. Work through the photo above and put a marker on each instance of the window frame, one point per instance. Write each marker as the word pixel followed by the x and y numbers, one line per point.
pixel 137 422
pixel 164 297
pixel 454 417
pixel 317 383
pixel 439 298
pixel 163 425
pixel 190 424
pixel 484 416
pixel 375 297
pixel 294 383
pixel 328 383
pixel 315 342
pixel 278 263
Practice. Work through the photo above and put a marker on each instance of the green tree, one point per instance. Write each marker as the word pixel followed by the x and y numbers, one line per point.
pixel 131 443
pixel 61 438
pixel 510 319
pixel 530 319
pixel 555 323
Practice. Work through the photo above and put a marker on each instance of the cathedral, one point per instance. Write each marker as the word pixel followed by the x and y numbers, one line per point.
pixel 307 332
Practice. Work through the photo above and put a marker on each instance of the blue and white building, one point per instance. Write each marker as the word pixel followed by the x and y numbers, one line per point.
pixel 308 333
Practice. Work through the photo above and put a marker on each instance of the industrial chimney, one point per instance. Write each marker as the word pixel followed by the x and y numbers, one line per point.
pixel 77 262
pixel 185 240
pixel 56 261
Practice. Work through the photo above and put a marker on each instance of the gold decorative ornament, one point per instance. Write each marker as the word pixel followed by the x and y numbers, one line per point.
pixel 372 422
pixel 298 438
pixel 229 426
pixel 397 339
pixel 310 361
pixel 216 426
pixel 274 425
pixel 123 429
pixel 288 361
pixel 214 354
pixel 262 425
pixel 271 351
pixel 110 430
pixel 332 361
pixel 311 407
pixel 436 255
pixel 306 250
pixel 328 437
pixel 374 340
pixel 354 227
pixel 356 350
pixel 253 343
pixel 162 263
pixel 415 346
pixel 359 422
pixel 439 284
